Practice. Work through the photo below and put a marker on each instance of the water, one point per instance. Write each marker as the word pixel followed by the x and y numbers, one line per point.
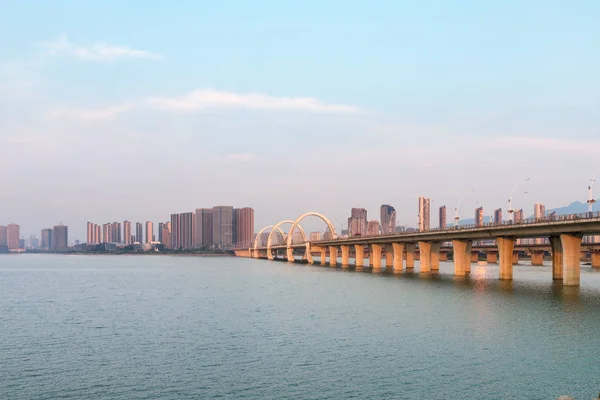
pixel 159 327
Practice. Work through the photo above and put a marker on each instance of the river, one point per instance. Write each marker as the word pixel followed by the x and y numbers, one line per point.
pixel 167 327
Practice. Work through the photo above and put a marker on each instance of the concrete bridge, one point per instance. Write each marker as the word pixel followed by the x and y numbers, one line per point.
pixel 400 250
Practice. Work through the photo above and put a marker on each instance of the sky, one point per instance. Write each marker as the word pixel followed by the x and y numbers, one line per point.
pixel 114 110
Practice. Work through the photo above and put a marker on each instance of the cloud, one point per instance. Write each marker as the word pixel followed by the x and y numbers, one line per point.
pixel 95 52
pixel 83 114
pixel 204 99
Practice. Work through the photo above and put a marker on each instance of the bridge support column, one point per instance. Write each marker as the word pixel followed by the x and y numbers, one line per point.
pixel 557 258
pixel 425 259
pixel 398 253
pixel 537 258
pixel 389 258
pixel 435 256
pixel 345 256
pixel 515 258
pixel 359 250
pixel 506 246
pixel 474 256
pixel 308 253
pixel 270 254
pixel 443 256
pixel 290 254
pixel 410 255
pixel 462 256
pixel 491 258
pixel 333 256
pixel 375 256
pixel 595 259
pixel 323 256
pixel 571 248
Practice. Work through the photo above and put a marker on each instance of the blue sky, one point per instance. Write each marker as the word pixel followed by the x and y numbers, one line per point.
pixel 132 110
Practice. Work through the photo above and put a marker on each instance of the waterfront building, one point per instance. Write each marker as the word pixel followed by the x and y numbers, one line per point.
pixel 479 216
pixel 498 216
pixel 175 242
pixel 388 218
pixel 222 223
pixel 46 239
pixel 357 223
pixel 315 236
pixel 424 214
pixel 442 215
pixel 12 236
pixel 139 232
pixel 127 233
pixel 518 216
pixel 115 232
pixel 203 227
pixel 243 226
pixel 539 211
pixel 3 236
pixel 149 232
pixel 373 228
pixel 60 235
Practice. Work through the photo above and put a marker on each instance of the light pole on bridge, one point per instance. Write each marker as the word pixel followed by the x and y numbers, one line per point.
pixel 456 217
pixel 591 200
pixel 511 211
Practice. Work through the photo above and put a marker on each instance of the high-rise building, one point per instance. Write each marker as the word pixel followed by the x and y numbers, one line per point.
pixel 479 216
pixel 539 211
pixel 175 241
pixel 373 228
pixel 60 235
pixel 139 232
pixel 46 242
pixel 186 230
pixel 90 233
pixel 3 236
pixel 222 223
pixel 243 227
pixel 12 236
pixel 357 223
pixel 424 214
pixel 442 222
pixel 106 233
pixel 498 216
pixel 518 216
pixel 203 227
pixel 127 233
pixel 115 232
pixel 34 243
pixel 315 236
pixel 388 218
pixel 164 234
pixel 149 232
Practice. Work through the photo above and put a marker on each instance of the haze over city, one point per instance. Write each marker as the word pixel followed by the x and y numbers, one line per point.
pixel 113 111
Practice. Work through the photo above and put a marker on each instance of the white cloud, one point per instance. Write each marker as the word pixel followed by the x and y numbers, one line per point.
pixel 203 99
pixel 95 52
pixel 83 114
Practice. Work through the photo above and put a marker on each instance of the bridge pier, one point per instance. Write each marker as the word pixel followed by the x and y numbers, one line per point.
pixel 410 255
pixel 571 248
pixel 515 258
pixel 435 256
pixel 474 256
pixel 359 250
pixel 557 258
pixel 308 254
pixel 345 256
pixel 389 258
pixel 333 256
pixel 491 257
pixel 595 259
pixel 323 255
pixel 398 253
pixel 506 246
pixel 375 257
pixel 443 256
pixel 462 254
pixel 425 256
pixel 290 253
pixel 537 258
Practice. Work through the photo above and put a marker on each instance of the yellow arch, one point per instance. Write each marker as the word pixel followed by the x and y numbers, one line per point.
pixel 256 239
pixel 297 222
pixel 276 227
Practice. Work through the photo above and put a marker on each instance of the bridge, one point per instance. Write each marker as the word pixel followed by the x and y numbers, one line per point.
pixel 564 235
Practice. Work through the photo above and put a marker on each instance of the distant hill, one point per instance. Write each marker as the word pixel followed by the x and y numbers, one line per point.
pixel 575 207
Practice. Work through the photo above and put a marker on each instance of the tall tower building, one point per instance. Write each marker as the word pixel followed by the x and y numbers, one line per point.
pixel 424 214
pixel 127 233
pixel 373 228
pixel 12 236
pixel 539 211
pixel 243 227
pixel 479 216
pixel 115 232
pixel 90 233
pixel 149 232
pixel 46 239
pixel 203 227
pixel 387 218
pixel 139 232
pixel 223 226
pixel 443 224
pixel 498 216
pixel 98 235
pixel 61 238
pixel 3 236
pixel 357 223
pixel 518 216
pixel 175 241
pixel 186 230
